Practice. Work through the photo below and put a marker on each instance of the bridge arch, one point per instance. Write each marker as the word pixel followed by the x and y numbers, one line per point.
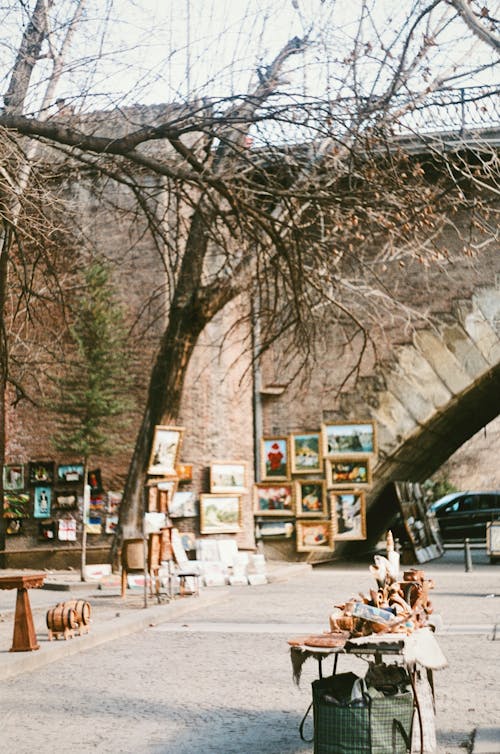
pixel 441 390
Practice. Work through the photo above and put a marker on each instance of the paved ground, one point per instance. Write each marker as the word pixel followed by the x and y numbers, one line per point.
pixel 211 675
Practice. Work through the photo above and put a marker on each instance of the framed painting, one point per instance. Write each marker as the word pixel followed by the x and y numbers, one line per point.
pixel 273 499
pixel 14 526
pixel 348 509
pixel 228 476
pixel 165 451
pixel 348 472
pixel 70 473
pixel 220 514
pixel 183 504
pixel 188 540
pixel 310 498
pixel 113 501
pixel 184 472
pixel 305 453
pixel 65 499
pixel 16 505
pixel 275 529
pixel 111 524
pixel 274 458
pixel 13 477
pixel 315 536
pixel 42 502
pixel 41 472
pixel 348 439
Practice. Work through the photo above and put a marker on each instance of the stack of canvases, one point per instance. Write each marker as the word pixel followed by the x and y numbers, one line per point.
pixel 315 482
pixel 67 617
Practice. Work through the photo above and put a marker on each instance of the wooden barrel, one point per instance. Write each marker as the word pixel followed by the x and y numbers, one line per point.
pixel 61 618
pixel 82 609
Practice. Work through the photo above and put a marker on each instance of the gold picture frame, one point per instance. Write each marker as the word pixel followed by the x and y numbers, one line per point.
pixel 165 450
pixel 305 453
pixel 275 459
pixel 273 499
pixel 348 511
pixel 220 514
pixel 348 439
pixel 229 476
pixel 311 499
pixel 315 535
pixel 348 472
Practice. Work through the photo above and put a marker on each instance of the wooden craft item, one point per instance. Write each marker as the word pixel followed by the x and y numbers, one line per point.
pixel 327 640
pixel 61 621
pixel 83 612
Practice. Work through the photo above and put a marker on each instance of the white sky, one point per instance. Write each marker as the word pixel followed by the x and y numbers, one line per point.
pixel 168 50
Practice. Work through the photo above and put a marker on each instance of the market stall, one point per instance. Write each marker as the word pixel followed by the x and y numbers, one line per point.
pixel 390 709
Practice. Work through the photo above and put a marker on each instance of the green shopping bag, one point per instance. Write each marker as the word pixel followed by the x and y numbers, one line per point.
pixel 390 723
pixel 341 724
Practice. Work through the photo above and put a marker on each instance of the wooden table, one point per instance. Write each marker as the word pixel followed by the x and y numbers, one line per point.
pixel 24 638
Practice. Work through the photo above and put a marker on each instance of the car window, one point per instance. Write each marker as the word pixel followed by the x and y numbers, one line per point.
pixel 468 503
pixel 452 507
pixel 486 502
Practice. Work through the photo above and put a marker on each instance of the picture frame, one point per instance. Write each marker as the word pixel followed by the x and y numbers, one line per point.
pixel 70 473
pixel 315 536
pixel 229 476
pixel 275 459
pixel 348 472
pixel 42 498
pixel 348 511
pixel 350 439
pixel 273 499
pixel 220 514
pixel 311 499
pixel 16 505
pixel 94 480
pixel 277 529
pixel 165 450
pixel 41 472
pixel 113 501
pixel 305 453
pixel 65 499
pixel 183 504
pixel 184 472
pixel 111 523
pixel 14 527
pixel 13 477
pixel 188 540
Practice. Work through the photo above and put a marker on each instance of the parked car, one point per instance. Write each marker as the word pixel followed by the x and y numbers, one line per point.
pixel 465 514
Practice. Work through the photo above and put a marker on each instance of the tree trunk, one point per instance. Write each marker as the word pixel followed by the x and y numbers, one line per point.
pixel 162 406
pixel 3 389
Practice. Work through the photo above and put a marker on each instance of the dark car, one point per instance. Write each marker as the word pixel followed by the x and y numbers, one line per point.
pixel 465 514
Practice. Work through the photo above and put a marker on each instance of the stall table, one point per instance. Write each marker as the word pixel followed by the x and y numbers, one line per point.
pixel 419 648
pixel 24 637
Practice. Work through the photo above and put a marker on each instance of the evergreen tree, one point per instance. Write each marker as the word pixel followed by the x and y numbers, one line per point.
pixel 93 392
pixel 91 395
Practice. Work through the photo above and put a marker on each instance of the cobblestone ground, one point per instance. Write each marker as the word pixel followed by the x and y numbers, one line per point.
pixel 220 682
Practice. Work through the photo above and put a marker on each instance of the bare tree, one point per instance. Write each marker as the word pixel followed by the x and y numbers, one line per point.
pixel 295 193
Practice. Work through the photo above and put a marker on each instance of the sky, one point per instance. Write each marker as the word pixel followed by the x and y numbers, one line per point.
pixel 153 51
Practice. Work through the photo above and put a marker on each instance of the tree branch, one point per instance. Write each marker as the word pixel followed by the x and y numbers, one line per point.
pixel 464 11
